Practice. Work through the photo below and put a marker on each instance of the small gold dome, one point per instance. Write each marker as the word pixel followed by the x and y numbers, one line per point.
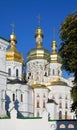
pixel 39 52
pixel 13 37
pixel 12 54
pixel 54 56
pixel 39 32
pixel 38 86
pixel 56 83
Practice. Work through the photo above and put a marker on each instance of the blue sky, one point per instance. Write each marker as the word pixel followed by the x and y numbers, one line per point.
pixel 24 13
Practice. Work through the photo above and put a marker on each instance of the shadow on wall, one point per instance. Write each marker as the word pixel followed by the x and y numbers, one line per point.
pixel 16 106
pixel 7 105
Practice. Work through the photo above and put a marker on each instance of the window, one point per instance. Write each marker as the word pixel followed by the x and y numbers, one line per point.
pixel 21 98
pixel 62 126
pixel 43 104
pixel 29 73
pixel 38 104
pixel 70 126
pixel 66 115
pixel 66 105
pixel 16 72
pixel 60 97
pixel 53 72
pixel 45 74
pixel 13 97
pixel 60 105
pixel 60 115
pixel 9 71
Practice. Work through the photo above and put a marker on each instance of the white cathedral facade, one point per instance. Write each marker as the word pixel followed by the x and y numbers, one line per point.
pixel 44 90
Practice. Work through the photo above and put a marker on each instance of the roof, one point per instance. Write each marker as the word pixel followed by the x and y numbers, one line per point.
pixel 58 83
pixel 3 39
pixel 51 101
pixel 16 81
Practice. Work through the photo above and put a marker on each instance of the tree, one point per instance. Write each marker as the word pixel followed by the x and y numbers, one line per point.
pixel 68 50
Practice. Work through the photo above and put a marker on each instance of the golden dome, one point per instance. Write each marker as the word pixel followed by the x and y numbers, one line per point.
pixel 12 54
pixel 54 56
pixel 38 86
pixel 13 38
pixel 39 52
pixel 55 83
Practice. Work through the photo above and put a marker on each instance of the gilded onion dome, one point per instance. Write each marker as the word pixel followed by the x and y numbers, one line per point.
pixel 58 81
pixel 54 56
pixel 39 52
pixel 55 83
pixel 38 86
pixel 12 54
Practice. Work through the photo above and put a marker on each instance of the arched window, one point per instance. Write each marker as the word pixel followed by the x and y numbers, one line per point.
pixel 60 97
pixel 66 97
pixel 53 72
pixel 66 115
pixel 9 71
pixel 58 72
pixel 16 72
pixel 21 98
pixel 45 74
pixel 43 104
pixel 60 105
pixel 13 97
pixel 29 73
pixel 70 126
pixel 62 126
pixel 38 104
pixel 66 105
pixel 60 115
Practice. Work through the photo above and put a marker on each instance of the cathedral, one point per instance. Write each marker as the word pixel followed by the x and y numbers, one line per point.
pixel 43 89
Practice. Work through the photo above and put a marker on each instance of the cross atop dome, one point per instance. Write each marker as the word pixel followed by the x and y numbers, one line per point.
pixel 54 34
pixel 38 20
pixel 13 36
pixel 13 26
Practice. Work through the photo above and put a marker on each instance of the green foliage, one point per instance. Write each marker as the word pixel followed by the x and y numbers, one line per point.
pixel 68 50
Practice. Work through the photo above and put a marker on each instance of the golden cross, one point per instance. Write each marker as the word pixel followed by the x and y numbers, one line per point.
pixel 38 20
pixel 54 34
pixel 12 25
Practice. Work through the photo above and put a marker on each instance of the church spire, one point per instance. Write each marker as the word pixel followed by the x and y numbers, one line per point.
pixel 54 45
pixel 13 36
pixel 13 39
pixel 39 35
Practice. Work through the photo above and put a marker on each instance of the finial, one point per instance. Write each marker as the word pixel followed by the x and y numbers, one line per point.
pixel 54 34
pixel 12 25
pixel 13 36
pixel 38 20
